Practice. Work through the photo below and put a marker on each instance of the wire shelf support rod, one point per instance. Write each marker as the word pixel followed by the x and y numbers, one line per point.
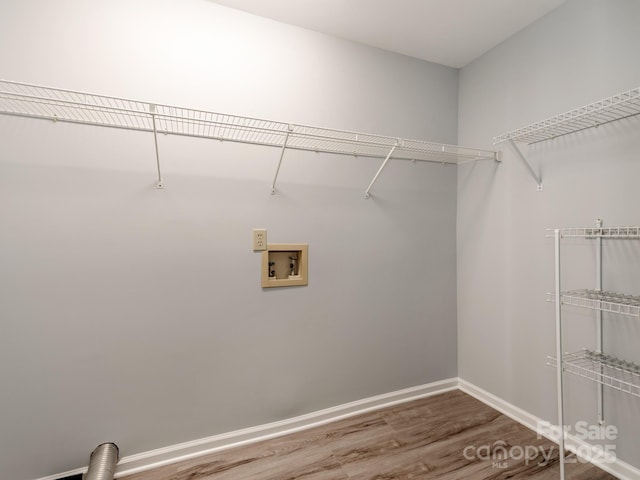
pixel 367 193
pixel 526 163
pixel 152 110
pixel 284 147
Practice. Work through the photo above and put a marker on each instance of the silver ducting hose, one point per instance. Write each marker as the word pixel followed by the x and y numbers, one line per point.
pixel 102 463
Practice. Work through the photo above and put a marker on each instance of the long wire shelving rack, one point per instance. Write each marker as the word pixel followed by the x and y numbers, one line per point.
pixel 56 104
pixel 617 107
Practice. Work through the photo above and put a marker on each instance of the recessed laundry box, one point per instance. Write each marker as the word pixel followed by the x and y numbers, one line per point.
pixel 285 265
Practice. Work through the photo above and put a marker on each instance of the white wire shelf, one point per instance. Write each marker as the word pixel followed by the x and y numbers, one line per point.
pixel 78 107
pixel 598 232
pixel 601 301
pixel 600 368
pixel 616 107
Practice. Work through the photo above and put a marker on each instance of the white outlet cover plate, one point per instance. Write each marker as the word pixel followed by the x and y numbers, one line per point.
pixel 259 239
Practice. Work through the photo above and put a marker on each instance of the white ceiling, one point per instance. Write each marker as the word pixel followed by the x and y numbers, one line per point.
pixel 449 32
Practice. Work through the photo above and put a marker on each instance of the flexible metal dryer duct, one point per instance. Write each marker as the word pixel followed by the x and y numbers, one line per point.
pixel 102 463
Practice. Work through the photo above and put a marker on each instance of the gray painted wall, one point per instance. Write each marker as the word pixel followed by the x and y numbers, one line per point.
pixel 135 315
pixel 582 52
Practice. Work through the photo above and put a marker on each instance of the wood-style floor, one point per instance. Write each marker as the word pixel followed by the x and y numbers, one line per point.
pixel 446 436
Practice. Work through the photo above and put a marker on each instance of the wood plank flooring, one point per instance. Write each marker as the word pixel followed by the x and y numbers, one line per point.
pixel 446 436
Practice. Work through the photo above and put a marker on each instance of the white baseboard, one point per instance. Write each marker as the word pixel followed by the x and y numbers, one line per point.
pixel 614 466
pixel 185 451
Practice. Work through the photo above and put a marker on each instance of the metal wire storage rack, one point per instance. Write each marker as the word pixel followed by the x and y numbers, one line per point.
pixel 79 107
pixel 603 369
pixel 617 107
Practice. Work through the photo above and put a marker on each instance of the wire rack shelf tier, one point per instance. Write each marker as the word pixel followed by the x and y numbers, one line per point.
pixel 598 232
pixel 602 301
pixel 616 107
pixel 78 107
pixel 603 369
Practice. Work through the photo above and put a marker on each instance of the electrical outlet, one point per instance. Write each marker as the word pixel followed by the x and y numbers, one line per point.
pixel 259 239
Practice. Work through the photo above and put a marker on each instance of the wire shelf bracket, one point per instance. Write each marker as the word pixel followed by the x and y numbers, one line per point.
pixel 367 193
pixel 152 109
pixel 284 147
pixel 524 161
pixel 611 109
pixel 34 101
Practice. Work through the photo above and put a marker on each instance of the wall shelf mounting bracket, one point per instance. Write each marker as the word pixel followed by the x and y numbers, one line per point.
pixel 367 195
pixel 284 147
pixel 524 161
pixel 152 110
